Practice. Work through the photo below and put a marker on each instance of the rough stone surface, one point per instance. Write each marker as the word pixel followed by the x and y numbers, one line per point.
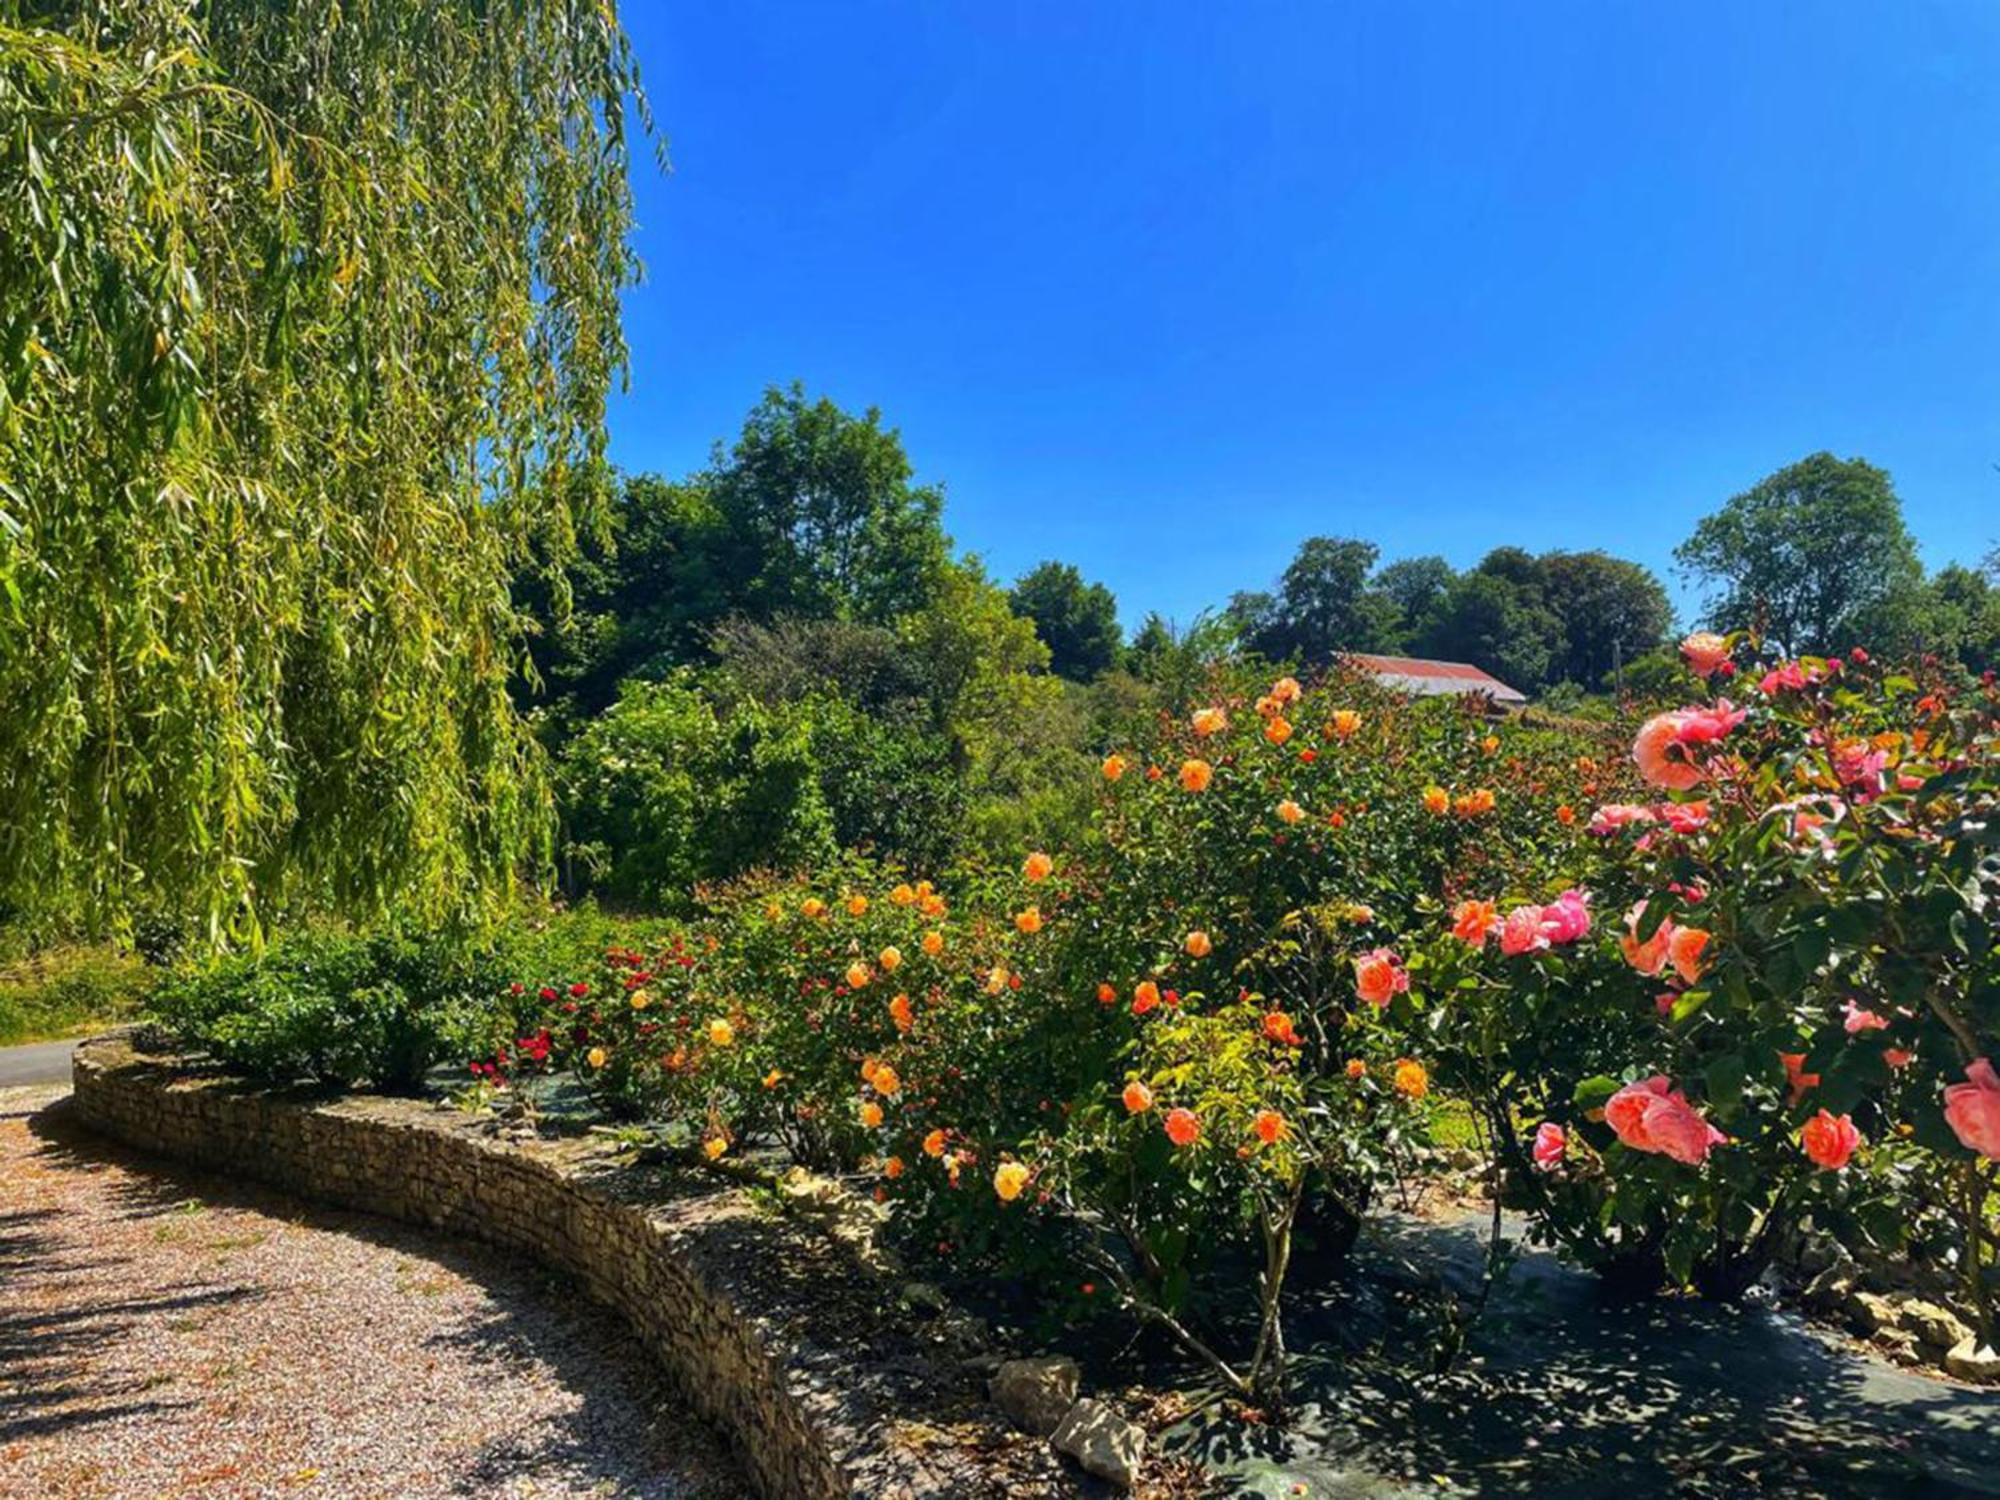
pixel 1103 1442
pixel 1871 1311
pixel 1936 1326
pixel 1036 1393
pixel 1971 1360
pixel 768 1330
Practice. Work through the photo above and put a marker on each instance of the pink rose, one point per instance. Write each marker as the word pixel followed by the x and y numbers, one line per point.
pixel 1551 1145
pixel 1567 918
pixel 1859 1020
pixel 1616 815
pixel 1684 817
pixel 1655 1117
pixel 1522 931
pixel 1972 1109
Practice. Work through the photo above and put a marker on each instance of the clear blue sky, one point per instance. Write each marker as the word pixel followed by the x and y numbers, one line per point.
pixel 1160 289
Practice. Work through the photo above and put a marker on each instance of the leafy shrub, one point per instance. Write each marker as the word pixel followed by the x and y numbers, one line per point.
pixel 338 1008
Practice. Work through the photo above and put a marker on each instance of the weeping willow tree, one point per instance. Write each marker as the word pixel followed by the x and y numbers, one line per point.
pixel 308 316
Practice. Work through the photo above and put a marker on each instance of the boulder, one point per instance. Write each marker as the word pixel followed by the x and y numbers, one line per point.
pixel 1971 1360
pixel 1937 1326
pixel 1036 1393
pixel 1870 1310
pixel 1103 1443
pixel 1830 1289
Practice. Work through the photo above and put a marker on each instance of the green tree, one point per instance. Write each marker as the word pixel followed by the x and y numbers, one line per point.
pixel 1804 553
pixel 1499 625
pixel 1323 605
pixel 1417 586
pixel 1610 610
pixel 811 515
pixel 1077 621
pixel 305 315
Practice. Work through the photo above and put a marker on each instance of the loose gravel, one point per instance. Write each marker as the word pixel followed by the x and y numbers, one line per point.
pixel 166 1333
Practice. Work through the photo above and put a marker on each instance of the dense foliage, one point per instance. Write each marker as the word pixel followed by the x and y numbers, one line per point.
pixel 306 312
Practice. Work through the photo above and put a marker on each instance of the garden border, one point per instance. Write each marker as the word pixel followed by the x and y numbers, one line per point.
pixel 825 1390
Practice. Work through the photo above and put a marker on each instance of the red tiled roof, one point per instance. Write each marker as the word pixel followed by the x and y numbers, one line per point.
pixel 1417 675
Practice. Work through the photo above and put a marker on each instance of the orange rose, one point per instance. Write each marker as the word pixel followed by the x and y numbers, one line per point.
pixel 1037 867
pixel 1197 944
pixel 1196 775
pixel 1270 1127
pixel 857 906
pixel 1473 921
pixel 1289 811
pixel 891 959
pixel 1113 767
pixel 1028 922
pixel 934 1144
pixel 893 1168
pixel 1277 729
pixel 932 943
pixel 857 975
pixel 1183 1127
pixel 899 1012
pixel 1356 1069
pixel 904 895
pixel 812 906
pixel 871 1113
pixel 1145 996
pixel 1344 722
pixel 1138 1098
pixel 1107 995
pixel 1437 800
pixel 1286 690
pixel 1207 721
pixel 1412 1082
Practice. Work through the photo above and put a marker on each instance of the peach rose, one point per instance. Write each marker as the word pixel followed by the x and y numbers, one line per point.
pixel 1705 651
pixel 1379 977
pixel 1829 1139
pixel 1687 950
pixel 1344 723
pixel 1650 956
pixel 1655 1117
pixel 1290 812
pixel 1286 690
pixel 1972 1109
pixel 1207 721
pixel 1796 1075
pixel 1197 944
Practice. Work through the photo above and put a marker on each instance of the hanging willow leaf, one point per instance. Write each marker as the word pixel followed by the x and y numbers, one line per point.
pixel 308 313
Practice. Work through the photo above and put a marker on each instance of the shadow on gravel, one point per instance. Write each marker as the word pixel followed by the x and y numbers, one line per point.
pixel 530 1316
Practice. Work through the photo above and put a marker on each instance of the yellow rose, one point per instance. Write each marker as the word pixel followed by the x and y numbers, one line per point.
pixel 596 1057
pixel 720 1033
pixel 1008 1180
pixel 891 959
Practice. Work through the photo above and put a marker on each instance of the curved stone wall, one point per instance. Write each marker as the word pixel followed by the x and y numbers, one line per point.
pixel 771 1330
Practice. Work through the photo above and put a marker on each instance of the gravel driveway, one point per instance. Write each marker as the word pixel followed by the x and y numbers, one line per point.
pixel 164 1333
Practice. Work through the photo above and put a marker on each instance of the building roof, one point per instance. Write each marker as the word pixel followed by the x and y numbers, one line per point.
pixel 1413 674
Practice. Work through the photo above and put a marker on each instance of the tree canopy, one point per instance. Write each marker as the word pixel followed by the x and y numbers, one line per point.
pixel 1805 553
pixel 304 313
pixel 1077 621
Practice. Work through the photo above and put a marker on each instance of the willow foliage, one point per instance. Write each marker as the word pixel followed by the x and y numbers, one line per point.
pixel 308 314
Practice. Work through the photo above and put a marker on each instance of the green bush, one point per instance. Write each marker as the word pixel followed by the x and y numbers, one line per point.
pixel 339 1008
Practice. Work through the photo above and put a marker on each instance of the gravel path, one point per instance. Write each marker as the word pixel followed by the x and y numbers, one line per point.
pixel 164 1333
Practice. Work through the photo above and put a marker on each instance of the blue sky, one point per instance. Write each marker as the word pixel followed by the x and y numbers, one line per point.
pixel 1160 289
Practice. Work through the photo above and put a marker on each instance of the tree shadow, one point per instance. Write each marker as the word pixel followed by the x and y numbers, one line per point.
pixel 1567 1392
